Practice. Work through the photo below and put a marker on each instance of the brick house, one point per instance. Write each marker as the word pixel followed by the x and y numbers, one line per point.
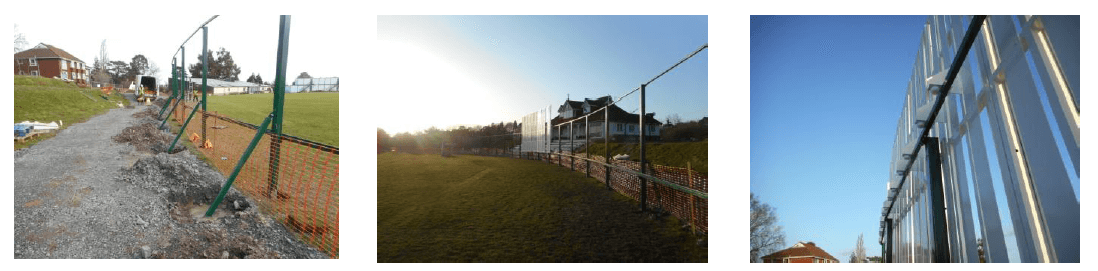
pixel 800 253
pixel 47 61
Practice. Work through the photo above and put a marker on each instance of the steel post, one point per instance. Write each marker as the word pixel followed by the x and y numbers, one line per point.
pixel 571 146
pixel 279 100
pixel 937 200
pixel 165 120
pixel 888 242
pixel 182 130
pixel 171 85
pixel 587 145
pixel 643 162
pixel 183 73
pixel 205 73
pixel 239 164
pixel 606 141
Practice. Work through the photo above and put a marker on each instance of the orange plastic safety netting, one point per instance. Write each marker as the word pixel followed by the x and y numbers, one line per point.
pixel 294 180
pixel 687 207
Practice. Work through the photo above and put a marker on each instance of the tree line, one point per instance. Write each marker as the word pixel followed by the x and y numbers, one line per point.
pixel 495 135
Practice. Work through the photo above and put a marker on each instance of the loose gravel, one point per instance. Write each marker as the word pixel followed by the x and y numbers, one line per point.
pixel 83 195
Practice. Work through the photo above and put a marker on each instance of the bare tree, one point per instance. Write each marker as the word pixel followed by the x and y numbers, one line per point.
pixel 674 119
pixel 104 59
pixel 858 256
pixel 20 40
pixel 766 235
pixel 980 249
pixel 153 70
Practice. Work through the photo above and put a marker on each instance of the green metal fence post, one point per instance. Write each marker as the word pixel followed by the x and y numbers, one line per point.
pixel 182 72
pixel 182 130
pixel 239 164
pixel 205 71
pixel 165 120
pixel 171 85
pixel 279 101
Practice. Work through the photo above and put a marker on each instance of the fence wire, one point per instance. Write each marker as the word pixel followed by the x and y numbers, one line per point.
pixel 307 197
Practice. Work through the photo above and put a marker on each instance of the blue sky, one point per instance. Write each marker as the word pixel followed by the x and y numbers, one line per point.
pixel 484 69
pixel 826 92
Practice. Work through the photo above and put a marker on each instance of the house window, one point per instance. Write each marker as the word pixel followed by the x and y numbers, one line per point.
pixel 632 128
pixel 35 73
pixel 33 62
pixel 619 127
pixel 785 260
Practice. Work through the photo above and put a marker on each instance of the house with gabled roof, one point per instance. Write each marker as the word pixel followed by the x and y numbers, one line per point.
pixel 802 252
pixel 47 61
pixel 623 124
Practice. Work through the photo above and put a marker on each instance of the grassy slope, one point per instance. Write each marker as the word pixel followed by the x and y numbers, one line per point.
pixel 669 154
pixel 313 116
pixel 487 209
pixel 47 100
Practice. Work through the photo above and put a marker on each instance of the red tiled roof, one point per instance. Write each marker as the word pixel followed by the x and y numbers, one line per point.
pixel 45 51
pixel 806 249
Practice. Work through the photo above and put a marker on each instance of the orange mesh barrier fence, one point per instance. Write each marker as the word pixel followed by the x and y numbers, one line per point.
pixel 305 197
pixel 686 207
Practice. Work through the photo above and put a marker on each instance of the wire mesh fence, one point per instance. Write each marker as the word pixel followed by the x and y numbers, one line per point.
pixel 303 194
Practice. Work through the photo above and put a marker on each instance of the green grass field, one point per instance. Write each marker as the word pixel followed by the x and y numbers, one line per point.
pixel 313 116
pixel 490 209
pixel 674 154
pixel 47 100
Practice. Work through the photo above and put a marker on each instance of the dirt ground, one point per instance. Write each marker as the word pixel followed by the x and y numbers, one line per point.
pixel 97 190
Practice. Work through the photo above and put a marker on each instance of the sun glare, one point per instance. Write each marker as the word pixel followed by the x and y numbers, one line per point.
pixel 418 89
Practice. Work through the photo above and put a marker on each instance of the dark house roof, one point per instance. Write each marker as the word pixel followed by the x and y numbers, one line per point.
pixel 597 103
pixel 574 104
pixel 616 115
pixel 801 249
pixel 43 50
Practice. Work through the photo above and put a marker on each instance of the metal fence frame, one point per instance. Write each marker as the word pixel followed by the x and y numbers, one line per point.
pixel 546 153
pixel 933 207
pixel 273 120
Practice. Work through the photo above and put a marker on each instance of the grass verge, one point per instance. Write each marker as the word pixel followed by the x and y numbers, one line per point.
pixel 490 209
pixel 674 154
pixel 313 116
pixel 47 100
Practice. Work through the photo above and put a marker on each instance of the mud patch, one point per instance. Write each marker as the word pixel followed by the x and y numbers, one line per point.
pixel 33 203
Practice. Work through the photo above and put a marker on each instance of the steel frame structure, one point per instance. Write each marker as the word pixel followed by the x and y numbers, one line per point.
pixel 974 115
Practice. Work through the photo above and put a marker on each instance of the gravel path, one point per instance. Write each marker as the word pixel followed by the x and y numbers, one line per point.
pixel 79 195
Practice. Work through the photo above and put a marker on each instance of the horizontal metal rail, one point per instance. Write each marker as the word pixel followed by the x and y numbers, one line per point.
pixel 954 68
pixel 291 138
pixel 642 175
pixel 615 101
pixel 192 35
